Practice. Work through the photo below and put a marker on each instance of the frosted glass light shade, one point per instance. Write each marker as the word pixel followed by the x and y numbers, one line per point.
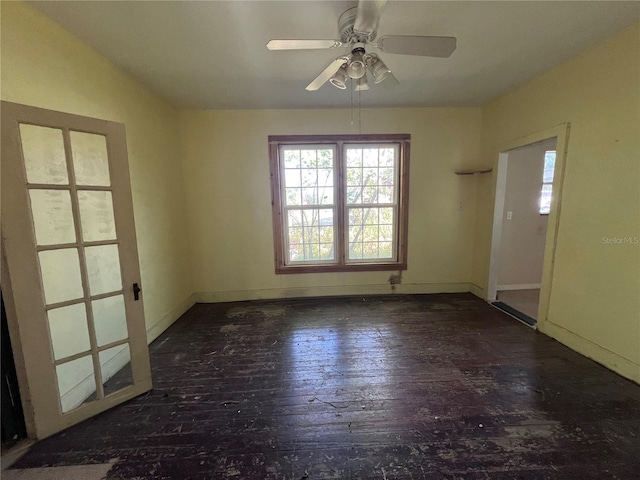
pixel 339 80
pixel 379 71
pixel 357 68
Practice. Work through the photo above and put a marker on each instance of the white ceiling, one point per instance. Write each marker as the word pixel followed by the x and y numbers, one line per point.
pixel 212 54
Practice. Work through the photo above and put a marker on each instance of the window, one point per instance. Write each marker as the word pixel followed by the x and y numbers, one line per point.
pixel 340 203
pixel 547 181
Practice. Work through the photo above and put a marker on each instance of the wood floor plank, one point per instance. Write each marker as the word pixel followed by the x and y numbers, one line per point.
pixel 415 387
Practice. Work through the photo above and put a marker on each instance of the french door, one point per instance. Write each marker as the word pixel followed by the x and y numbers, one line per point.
pixel 70 272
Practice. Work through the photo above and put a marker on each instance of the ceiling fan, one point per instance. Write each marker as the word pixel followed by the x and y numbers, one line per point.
pixel 358 29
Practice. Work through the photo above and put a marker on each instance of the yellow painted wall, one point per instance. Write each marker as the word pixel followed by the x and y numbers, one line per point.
pixel 595 294
pixel 226 166
pixel 45 66
pixel 216 239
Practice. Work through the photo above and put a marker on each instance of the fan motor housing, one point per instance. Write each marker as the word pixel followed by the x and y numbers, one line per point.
pixel 345 27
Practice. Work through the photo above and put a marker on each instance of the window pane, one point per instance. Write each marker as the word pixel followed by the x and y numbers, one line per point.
pixel 354 157
pixel 354 195
pixel 385 195
pixel 76 382
pixel 370 194
pixel 545 199
pixel 292 178
pixel 326 251
pixel 370 175
pixel 325 158
pixel 90 162
pixel 386 216
pixel 549 166
pixel 309 196
pixel 310 234
pixel 291 158
pixel 308 176
pixel 325 177
pixel 115 367
pixel 69 331
pixel 109 319
pixel 370 157
pixel 103 269
pixel 326 196
pixel 43 152
pixel 371 233
pixel 96 215
pixel 293 196
pixel 354 176
pixel 52 216
pixel 387 157
pixel 60 271
pixel 308 159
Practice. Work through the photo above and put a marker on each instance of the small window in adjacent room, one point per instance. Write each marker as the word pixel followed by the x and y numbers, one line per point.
pixel 340 203
pixel 547 181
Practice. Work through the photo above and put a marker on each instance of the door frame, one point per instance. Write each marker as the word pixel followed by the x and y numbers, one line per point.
pixel 27 321
pixel 561 134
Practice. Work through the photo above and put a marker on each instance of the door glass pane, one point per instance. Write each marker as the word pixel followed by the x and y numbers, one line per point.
pixel 52 216
pixel 43 153
pixel 60 270
pixel 109 319
pixel 68 330
pixel 115 365
pixel 76 382
pixel 90 161
pixel 96 215
pixel 103 269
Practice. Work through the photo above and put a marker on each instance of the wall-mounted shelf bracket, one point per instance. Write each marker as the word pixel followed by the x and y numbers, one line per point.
pixel 474 171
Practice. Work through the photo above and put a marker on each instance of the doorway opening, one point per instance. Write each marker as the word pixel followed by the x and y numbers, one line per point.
pixel 13 425
pixel 527 199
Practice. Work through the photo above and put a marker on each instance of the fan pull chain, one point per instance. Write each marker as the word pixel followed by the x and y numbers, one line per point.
pixel 359 115
pixel 351 103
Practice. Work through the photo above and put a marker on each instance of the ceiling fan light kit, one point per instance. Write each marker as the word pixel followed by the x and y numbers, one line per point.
pixel 361 84
pixel 358 28
pixel 357 68
pixel 378 69
pixel 339 79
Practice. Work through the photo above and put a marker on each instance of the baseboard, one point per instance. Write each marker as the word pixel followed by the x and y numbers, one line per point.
pixel 331 291
pixel 478 291
pixel 519 286
pixel 622 366
pixel 155 330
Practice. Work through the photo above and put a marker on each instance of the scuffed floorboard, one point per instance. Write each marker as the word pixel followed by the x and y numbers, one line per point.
pixel 402 387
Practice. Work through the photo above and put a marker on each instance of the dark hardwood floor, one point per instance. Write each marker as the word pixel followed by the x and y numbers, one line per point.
pixel 415 387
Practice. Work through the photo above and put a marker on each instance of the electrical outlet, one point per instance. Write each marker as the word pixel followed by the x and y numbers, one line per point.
pixel 509 215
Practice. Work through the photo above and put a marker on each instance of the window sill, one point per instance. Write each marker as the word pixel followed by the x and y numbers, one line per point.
pixel 364 267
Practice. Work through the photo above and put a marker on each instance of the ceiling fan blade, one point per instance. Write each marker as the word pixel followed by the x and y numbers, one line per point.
pixel 418 45
pixel 326 74
pixel 302 44
pixel 368 16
